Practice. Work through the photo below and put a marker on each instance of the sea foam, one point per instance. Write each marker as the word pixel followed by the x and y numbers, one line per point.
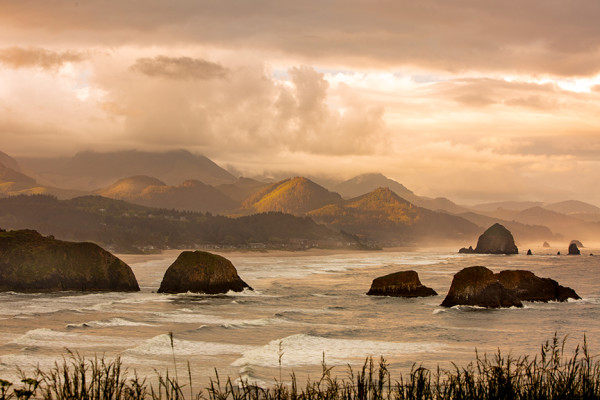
pixel 303 349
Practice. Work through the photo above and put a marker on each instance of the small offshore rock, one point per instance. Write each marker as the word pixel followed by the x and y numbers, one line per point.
pixel 529 253
pixel 400 284
pixel 573 249
pixel 201 272
pixel 546 245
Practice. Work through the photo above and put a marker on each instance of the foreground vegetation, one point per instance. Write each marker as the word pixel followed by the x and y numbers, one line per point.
pixel 549 375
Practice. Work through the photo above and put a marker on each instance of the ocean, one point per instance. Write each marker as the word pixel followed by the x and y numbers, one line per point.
pixel 306 308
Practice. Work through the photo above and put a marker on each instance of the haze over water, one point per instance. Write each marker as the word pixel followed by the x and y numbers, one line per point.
pixel 313 304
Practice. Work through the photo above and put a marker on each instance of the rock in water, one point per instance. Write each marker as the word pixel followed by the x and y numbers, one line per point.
pixel 529 287
pixel 546 245
pixel 201 272
pixel 400 284
pixel 496 240
pixel 30 262
pixel 529 253
pixel 477 286
pixel 464 250
pixel 573 249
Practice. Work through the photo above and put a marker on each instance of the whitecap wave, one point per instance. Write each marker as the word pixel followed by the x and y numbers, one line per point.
pixel 44 337
pixel 108 323
pixel 206 319
pixel 303 349
pixel 161 346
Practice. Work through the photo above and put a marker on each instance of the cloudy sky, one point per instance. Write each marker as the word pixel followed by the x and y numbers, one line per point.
pixel 473 100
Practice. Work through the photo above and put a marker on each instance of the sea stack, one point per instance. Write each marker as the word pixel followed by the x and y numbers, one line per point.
pixel 201 272
pixel 573 249
pixel 30 262
pixel 400 284
pixel 496 240
pixel 479 286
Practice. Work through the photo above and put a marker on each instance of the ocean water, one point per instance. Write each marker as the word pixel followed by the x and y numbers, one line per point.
pixel 306 308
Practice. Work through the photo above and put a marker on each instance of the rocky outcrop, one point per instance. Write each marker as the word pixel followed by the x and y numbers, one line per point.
pixel 479 286
pixel 573 249
pixel 546 245
pixel 465 250
pixel 30 262
pixel 495 240
pixel 201 272
pixel 400 284
pixel 529 253
pixel 529 287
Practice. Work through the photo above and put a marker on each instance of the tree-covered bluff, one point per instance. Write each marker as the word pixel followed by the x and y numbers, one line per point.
pixel 124 227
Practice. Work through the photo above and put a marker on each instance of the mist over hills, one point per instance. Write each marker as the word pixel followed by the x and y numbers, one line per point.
pixel 383 216
pixel 191 195
pixel 169 180
pixel 91 170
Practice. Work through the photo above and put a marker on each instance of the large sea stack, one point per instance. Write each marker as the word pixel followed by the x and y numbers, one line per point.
pixel 496 240
pixel 479 286
pixel 30 262
pixel 400 284
pixel 201 272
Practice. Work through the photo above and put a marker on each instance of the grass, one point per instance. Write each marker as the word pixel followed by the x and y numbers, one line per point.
pixel 549 375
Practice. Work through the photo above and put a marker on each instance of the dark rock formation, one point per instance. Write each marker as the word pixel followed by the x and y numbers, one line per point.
pixel 573 249
pixel 546 245
pixel 529 253
pixel 496 240
pixel 400 284
pixel 529 287
pixel 30 262
pixel 201 272
pixel 464 250
pixel 479 286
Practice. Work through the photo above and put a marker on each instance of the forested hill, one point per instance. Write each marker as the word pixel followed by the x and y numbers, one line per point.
pixel 124 227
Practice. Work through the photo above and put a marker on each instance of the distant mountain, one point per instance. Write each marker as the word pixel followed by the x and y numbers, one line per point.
pixel 568 226
pixel 241 189
pixel 366 183
pixel 91 170
pixel 507 205
pixel 125 227
pixel 129 187
pixel 573 207
pixel 9 162
pixel 522 233
pixel 192 195
pixel 14 183
pixel 382 215
pixel 293 196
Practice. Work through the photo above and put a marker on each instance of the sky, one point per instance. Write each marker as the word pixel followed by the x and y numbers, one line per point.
pixel 468 99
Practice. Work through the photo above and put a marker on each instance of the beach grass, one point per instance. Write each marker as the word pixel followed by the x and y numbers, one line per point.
pixel 551 374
